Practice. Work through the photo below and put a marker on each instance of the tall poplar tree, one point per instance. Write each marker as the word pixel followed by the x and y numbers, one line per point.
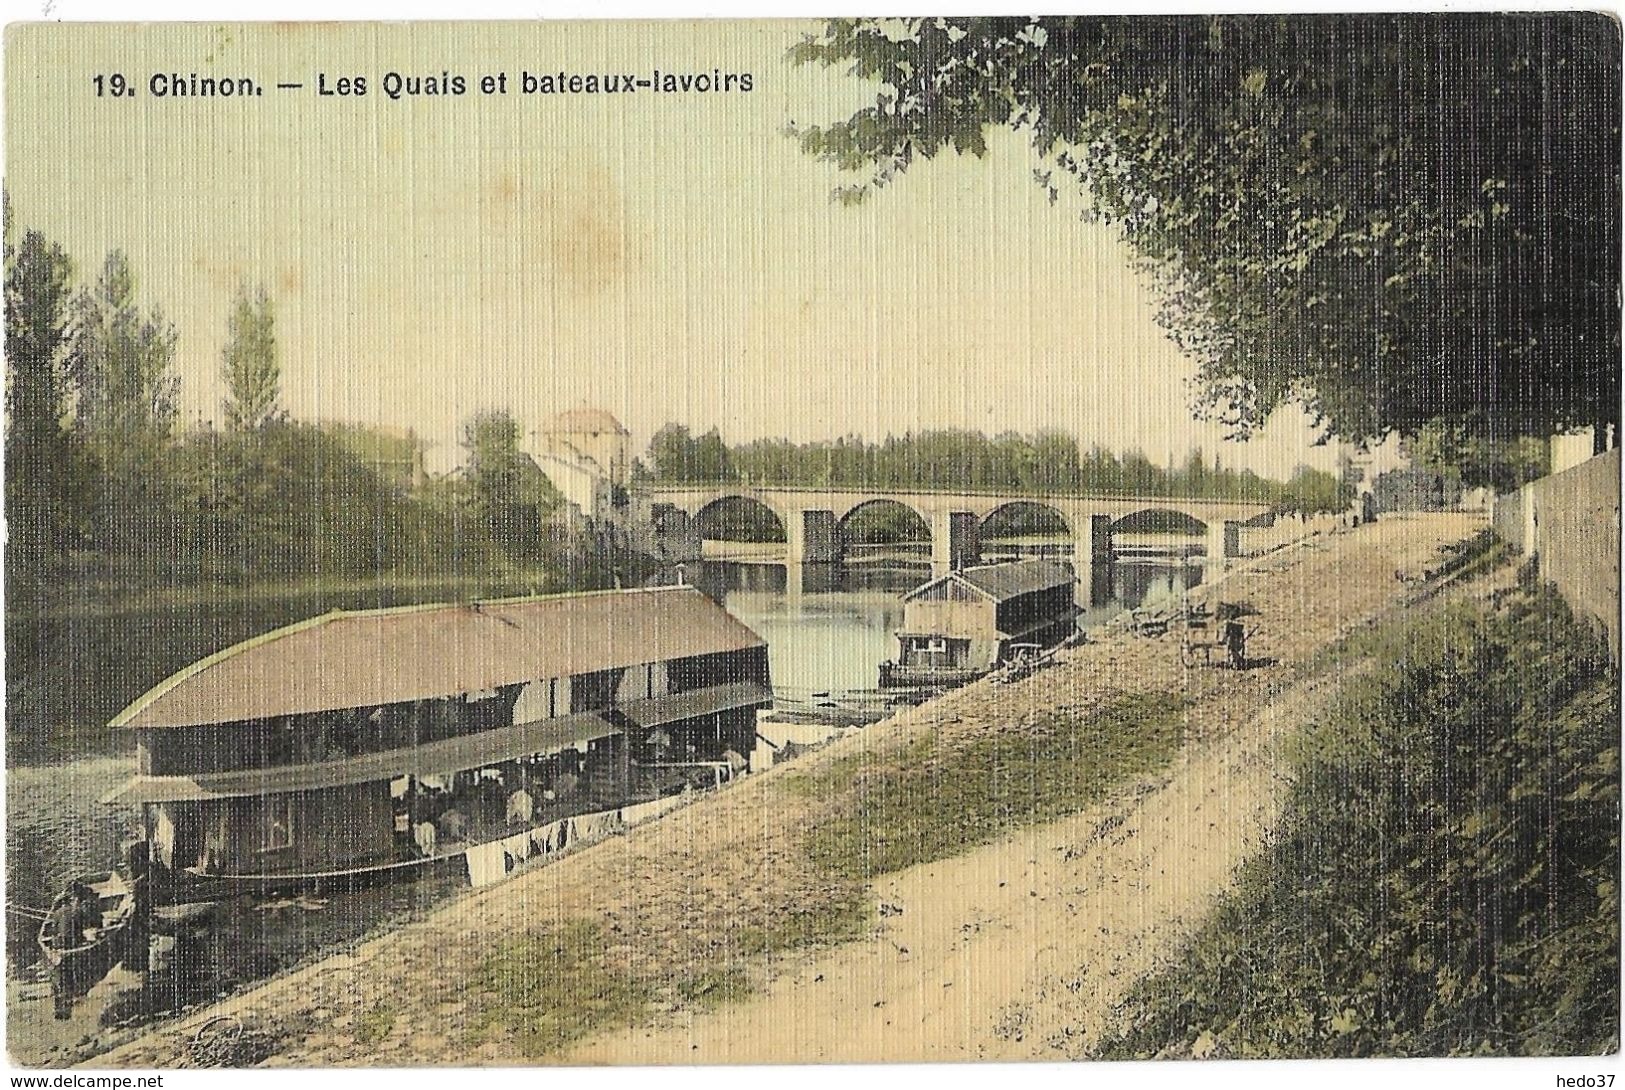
pixel 120 361
pixel 44 479
pixel 253 377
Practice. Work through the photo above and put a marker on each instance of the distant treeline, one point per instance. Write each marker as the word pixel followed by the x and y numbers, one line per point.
pixel 1047 463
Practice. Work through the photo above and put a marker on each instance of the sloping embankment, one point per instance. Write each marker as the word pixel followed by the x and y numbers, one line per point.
pixel 764 924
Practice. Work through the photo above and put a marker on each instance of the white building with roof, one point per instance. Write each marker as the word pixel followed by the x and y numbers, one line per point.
pixel 589 437
pixel 587 454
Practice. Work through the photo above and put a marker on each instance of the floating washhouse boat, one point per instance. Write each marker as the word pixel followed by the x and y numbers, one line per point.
pixel 959 626
pixel 377 743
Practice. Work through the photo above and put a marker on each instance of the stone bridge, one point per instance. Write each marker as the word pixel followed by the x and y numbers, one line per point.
pixel 814 519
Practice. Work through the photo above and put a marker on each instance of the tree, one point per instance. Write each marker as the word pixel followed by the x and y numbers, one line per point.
pixel 1385 218
pixel 678 456
pixel 506 491
pixel 44 477
pixel 249 362
pixel 1055 462
pixel 670 453
pixel 1460 447
pixel 712 461
pixel 1314 491
pixel 119 360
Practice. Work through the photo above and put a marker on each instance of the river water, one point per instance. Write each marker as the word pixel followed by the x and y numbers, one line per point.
pixel 827 631
pixel 832 631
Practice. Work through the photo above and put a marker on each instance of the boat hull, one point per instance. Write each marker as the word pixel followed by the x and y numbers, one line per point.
pixel 75 969
pixel 898 676
pixel 189 885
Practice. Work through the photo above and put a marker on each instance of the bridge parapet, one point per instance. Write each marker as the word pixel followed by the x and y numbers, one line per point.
pixel 930 505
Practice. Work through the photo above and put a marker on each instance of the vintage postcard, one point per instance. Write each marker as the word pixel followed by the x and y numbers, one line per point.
pixel 862 540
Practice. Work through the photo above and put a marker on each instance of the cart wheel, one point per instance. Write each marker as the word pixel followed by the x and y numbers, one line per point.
pixel 1187 654
pixel 222 1027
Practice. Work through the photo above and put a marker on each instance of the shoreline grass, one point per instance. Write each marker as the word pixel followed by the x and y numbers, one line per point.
pixel 1444 880
pixel 932 798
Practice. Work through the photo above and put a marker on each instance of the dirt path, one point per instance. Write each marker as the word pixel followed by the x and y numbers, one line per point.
pixel 1020 949
pixel 1016 949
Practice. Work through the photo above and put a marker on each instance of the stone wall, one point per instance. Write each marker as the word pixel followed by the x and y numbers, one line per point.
pixel 1569 523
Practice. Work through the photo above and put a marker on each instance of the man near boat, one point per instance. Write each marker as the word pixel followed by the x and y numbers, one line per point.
pixel 75 915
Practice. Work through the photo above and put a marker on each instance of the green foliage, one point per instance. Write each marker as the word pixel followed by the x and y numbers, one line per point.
pixel 1385 218
pixel 946 459
pixel 253 378
pixel 374 1024
pixel 935 800
pixel 505 492
pixel 1313 491
pixel 675 455
pixel 1467 448
pixel 46 476
pixel 1446 877
pixel 711 988
pixel 290 499
pixel 843 912
pixel 550 987
pixel 120 360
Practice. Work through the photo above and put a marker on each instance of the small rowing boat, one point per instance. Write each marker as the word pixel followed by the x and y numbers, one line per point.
pixel 85 934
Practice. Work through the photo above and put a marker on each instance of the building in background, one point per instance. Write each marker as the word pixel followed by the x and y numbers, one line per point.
pixel 589 437
pixel 587 454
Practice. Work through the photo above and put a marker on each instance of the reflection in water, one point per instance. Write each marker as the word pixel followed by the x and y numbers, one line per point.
pixel 829 629
pixel 1136 583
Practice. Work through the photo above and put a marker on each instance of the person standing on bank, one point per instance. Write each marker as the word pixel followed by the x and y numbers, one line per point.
pixel 1235 642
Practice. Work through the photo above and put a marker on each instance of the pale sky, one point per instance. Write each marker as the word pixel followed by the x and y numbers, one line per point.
pixel 666 257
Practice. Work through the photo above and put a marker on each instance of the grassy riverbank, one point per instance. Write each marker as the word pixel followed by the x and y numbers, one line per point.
pixel 947 884
pixel 1445 879
pixel 879 811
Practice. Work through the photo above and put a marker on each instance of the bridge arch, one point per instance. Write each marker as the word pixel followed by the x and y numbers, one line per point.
pixel 882 521
pixel 1221 537
pixel 1027 516
pixel 744 517
pixel 1157 518
pixel 1025 527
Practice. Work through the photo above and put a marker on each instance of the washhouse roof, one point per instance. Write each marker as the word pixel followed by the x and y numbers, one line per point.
pixel 1001 582
pixel 373 657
